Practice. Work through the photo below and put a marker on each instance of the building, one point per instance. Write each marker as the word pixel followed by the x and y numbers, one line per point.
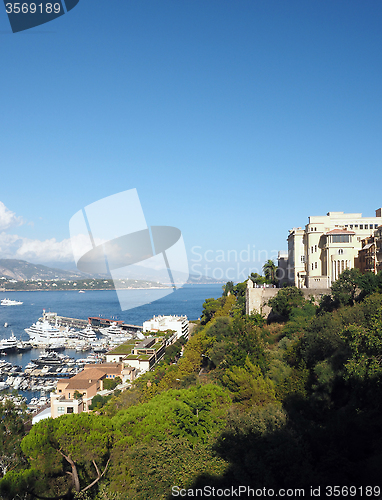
pixel 75 395
pixel 282 268
pixel 178 324
pixel 370 256
pixel 327 246
pixel 141 355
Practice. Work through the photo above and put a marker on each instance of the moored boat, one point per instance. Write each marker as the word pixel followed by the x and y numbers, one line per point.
pixel 9 302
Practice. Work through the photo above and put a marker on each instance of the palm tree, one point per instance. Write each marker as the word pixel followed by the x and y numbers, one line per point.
pixel 269 270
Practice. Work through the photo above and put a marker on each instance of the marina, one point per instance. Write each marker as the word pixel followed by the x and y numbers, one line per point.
pixel 33 381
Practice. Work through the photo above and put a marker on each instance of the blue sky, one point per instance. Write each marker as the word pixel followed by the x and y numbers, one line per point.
pixel 234 120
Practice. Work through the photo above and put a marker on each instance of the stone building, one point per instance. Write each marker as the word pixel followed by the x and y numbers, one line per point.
pixel 327 246
pixel 370 256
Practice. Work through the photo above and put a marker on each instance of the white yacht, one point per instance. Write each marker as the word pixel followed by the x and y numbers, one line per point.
pixel 112 330
pixel 116 334
pixel 87 333
pixel 43 332
pixel 9 302
pixel 8 345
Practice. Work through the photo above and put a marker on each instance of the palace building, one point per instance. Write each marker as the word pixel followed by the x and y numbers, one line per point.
pixel 327 246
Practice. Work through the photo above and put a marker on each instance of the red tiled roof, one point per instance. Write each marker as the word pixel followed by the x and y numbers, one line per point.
pixel 108 368
pixel 92 373
pixel 340 231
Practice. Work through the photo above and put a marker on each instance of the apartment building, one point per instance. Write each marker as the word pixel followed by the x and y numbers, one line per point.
pixel 178 324
pixel 327 246
pixel 370 256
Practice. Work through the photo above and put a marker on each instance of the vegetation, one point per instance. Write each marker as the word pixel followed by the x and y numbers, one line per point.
pixel 75 284
pixel 291 404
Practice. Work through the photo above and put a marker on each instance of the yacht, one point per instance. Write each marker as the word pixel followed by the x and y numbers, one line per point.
pixel 9 302
pixel 42 332
pixel 51 358
pixel 9 345
pixel 115 331
pixel 87 333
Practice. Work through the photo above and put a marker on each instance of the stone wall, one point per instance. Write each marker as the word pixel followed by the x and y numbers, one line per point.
pixel 257 298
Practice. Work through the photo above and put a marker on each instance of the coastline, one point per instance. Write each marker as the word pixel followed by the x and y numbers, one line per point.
pixel 165 287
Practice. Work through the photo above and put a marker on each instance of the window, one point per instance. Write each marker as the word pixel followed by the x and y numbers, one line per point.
pixel 60 410
pixel 340 251
pixel 312 266
pixel 361 226
pixel 69 395
pixel 302 258
pixel 315 248
pixel 315 265
pixel 312 250
pixel 59 390
pixel 70 409
pixel 351 226
pixel 355 225
pixel 315 229
pixel 375 226
pixel 340 238
pixel 366 226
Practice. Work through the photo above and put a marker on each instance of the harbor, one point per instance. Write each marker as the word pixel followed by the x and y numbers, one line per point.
pixel 97 310
pixel 52 337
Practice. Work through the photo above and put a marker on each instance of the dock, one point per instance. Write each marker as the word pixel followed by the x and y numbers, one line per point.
pixel 96 322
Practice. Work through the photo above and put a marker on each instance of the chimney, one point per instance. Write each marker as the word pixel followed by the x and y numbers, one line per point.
pixel 378 212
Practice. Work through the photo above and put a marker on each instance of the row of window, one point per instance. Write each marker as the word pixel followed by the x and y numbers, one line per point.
pixel 340 238
pixel 362 226
pixel 61 409
pixel 340 252
pixel 355 226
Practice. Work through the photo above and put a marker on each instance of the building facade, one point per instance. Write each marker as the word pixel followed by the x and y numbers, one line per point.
pixel 178 324
pixel 75 395
pixel 327 246
pixel 370 256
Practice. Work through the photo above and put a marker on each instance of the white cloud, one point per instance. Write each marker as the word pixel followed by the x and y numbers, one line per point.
pixel 8 219
pixel 51 250
pixel 45 251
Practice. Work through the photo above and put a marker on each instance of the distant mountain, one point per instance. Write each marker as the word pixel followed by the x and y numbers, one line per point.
pixel 23 270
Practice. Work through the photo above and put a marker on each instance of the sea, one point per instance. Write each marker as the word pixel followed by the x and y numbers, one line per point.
pixel 186 301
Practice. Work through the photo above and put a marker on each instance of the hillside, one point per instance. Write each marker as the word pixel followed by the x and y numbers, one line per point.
pixel 23 270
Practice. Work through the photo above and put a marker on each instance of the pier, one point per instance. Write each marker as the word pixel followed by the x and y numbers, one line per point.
pixel 96 322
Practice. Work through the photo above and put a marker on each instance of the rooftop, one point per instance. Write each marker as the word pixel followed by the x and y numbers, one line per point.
pixel 340 231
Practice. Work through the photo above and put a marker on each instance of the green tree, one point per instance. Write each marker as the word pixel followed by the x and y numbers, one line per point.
pixel 11 433
pixel 210 306
pixel 345 288
pixel 228 288
pixel 286 300
pixel 269 270
pixel 111 383
pixel 248 385
pixel 257 278
pixel 71 445
pixel 196 414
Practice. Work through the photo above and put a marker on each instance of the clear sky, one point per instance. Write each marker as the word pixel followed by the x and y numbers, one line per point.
pixel 234 120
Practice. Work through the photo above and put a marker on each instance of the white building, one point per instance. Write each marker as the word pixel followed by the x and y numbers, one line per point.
pixel 327 246
pixel 178 324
